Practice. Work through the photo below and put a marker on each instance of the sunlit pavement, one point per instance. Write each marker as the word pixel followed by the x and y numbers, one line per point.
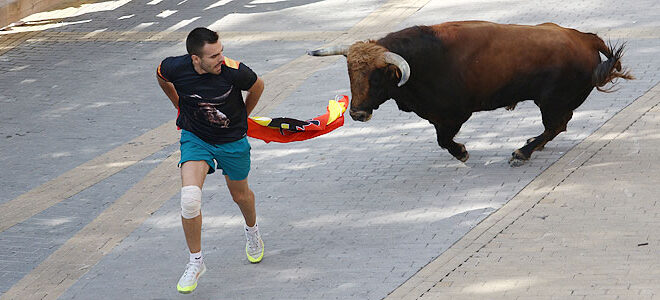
pixel 90 208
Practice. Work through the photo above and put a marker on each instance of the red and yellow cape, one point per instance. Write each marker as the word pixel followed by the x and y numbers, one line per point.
pixel 285 130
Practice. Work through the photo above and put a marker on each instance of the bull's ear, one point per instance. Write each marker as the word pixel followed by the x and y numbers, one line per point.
pixel 393 72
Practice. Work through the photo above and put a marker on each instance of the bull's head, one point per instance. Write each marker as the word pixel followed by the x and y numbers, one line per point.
pixel 372 69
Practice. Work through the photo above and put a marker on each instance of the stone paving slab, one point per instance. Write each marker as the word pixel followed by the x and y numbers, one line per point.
pixel 592 233
pixel 353 214
pixel 371 215
pixel 46 231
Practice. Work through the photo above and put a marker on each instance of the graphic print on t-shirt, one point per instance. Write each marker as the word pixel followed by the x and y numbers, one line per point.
pixel 209 109
pixel 210 112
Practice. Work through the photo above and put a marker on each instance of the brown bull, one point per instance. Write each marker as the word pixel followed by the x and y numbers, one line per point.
pixel 446 72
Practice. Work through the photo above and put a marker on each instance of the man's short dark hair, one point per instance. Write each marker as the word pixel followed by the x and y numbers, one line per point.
pixel 199 37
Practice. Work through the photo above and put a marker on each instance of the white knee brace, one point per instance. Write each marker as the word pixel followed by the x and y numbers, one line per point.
pixel 191 201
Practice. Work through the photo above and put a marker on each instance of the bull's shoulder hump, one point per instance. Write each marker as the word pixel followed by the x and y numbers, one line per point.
pixel 465 26
pixel 451 31
pixel 549 24
pixel 470 23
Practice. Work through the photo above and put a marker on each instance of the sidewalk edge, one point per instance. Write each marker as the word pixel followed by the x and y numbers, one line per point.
pixel 481 235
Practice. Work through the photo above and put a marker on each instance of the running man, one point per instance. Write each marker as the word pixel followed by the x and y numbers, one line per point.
pixel 206 88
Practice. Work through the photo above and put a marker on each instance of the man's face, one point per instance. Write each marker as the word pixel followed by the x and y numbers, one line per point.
pixel 211 59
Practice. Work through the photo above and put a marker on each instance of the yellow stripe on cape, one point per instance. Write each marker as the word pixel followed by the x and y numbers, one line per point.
pixel 336 109
pixel 263 121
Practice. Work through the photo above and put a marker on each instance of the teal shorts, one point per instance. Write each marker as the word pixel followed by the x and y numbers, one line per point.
pixel 233 158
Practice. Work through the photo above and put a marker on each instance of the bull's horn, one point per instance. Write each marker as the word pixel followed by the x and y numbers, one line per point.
pixel 334 50
pixel 402 64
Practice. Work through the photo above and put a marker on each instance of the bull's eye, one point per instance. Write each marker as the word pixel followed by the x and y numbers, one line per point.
pixel 376 78
pixel 377 89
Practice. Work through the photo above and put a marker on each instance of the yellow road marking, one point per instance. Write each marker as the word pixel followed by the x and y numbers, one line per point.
pixel 85 175
pixel 8 42
pixel 73 259
pixel 280 82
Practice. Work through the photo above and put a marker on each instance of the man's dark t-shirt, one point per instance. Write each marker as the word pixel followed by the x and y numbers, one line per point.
pixel 210 106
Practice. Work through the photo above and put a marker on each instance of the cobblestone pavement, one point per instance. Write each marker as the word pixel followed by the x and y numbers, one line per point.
pixel 90 205
pixel 586 228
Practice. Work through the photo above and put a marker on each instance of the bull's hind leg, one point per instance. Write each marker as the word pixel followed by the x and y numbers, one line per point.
pixel 446 132
pixel 554 121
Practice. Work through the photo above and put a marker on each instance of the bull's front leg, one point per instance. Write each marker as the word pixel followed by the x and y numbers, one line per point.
pixel 555 121
pixel 446 132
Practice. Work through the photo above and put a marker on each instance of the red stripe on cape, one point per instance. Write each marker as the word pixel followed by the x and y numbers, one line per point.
pixel 286 130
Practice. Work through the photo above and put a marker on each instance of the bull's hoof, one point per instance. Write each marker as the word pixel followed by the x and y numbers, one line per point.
pixel 517 159
pixel 463 155
pixel 516 162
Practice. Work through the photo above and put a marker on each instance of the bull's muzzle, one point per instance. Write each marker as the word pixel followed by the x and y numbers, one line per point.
pixel 360 115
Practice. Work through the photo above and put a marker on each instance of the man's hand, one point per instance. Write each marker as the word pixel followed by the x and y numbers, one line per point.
pixel 170 91
pixel 253 95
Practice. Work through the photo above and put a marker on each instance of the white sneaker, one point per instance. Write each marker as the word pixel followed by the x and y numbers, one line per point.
pixel 254 247
pixel 188 281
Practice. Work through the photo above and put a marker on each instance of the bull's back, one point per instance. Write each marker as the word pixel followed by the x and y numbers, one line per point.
pixel 491 57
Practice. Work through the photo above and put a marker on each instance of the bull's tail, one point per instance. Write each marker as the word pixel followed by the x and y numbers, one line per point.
pixel 608 71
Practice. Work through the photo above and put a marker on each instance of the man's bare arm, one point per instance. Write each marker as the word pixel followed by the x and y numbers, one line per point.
pixel 169 90
pixel 253 95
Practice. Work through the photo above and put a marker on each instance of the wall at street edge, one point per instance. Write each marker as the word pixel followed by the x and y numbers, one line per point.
pixel 14 10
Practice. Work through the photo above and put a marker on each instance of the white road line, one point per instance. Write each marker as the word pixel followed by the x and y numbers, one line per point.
pixel 166 13
pixel 73 259
pixel 217 4
pixel 171 29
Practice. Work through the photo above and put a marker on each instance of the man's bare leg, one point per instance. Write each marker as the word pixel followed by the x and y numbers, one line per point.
pixel 193 173
pixel 244 197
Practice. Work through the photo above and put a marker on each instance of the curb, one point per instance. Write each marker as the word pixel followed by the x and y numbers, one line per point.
pixel 481 235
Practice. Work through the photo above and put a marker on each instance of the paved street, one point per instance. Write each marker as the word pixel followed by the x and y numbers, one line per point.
pixel 89 207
